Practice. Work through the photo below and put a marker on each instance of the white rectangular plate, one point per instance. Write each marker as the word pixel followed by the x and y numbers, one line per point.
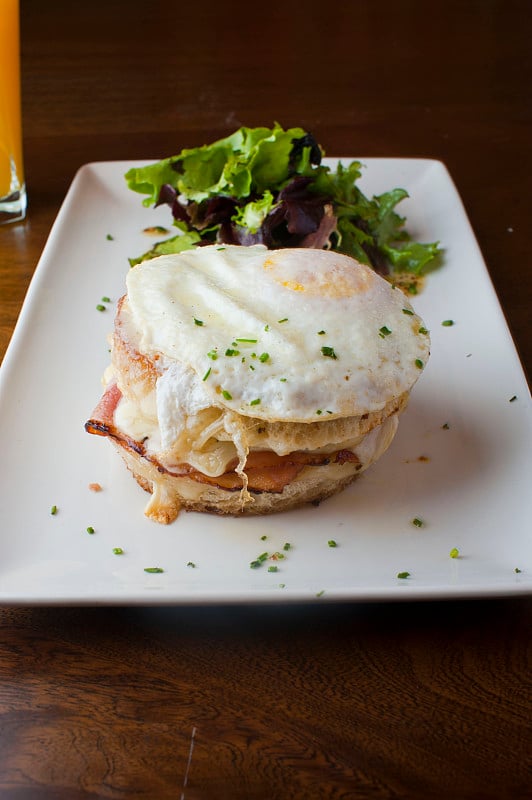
pixel 468 481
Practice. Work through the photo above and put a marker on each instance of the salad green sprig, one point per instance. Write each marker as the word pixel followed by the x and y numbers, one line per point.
pixel 269 186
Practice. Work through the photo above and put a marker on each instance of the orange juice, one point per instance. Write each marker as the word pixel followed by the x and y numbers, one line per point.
pixel 11 179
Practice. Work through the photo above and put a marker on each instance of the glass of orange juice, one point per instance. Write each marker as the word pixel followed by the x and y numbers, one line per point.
pixel 12 187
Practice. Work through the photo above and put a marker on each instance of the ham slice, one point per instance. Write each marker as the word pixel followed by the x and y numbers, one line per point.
pixel 265 470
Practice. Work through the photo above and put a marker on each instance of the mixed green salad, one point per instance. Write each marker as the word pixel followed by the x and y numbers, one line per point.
pixel 269 186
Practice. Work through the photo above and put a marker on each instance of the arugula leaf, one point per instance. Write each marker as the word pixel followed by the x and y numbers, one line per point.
pixel 411 256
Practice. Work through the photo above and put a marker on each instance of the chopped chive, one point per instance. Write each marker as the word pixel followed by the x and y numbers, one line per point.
pixel 455 552
pixel 212 354
pixel 258 561
pixel 282 585
pixel 247 341
pixel 118 551
pixel 227 395
pixel 263 538
pixel 252 367
pixel 206 374
pixel 423 331
pixel 419 364
pixel 408 311
pixel 273 568
pixel 447 323
pixel 319 411
pixel 513 399
pixel 109 237
pixel 198 322
pixel 517 570
pixel 264 357
pixel 320 593
pixel 384 331
pixel 446 426
pixel 321 333
pixel 231 352
pixel 53 510
pixel 329 352
pixel 332 543
pixel 153 570
pixel 403 575
pixel 266 327
pixel 90 529
pixel 106 299
pixel 287 546
pixel 100 307
pixel 220 248
pixel 283 380
pixel 417 522
pixel 255 402
pixel 285 319
pixel 191 564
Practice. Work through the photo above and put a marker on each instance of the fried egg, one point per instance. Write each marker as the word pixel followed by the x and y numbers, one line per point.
pixel 291 335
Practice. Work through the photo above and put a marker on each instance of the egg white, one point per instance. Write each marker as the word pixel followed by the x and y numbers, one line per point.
pixel 296 335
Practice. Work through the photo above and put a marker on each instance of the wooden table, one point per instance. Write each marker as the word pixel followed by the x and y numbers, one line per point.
pixel 421 700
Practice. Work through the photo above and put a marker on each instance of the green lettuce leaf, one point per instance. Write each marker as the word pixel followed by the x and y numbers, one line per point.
pixel 183 241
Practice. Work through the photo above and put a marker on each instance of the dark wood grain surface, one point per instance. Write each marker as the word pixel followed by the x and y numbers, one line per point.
pixel 421 700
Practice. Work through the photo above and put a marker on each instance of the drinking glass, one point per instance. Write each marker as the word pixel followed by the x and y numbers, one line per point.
pixel 12 187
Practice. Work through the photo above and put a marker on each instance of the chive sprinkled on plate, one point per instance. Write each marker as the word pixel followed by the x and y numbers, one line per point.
pixel 287 546
pixel 454 553
pixel 230 352
pixel 513 399
pixel 446 426
pixel 280 321
pixel 212 354
pixel 332 543
pixel 109 237
pixel 328 352
pixel 153 570
pixel 247 341
pixel 100 307
pixel 403 575
pixel 321 333
pixel 206 374
pixel 447 323
pixel 226 395
pixel 273 568
pixel 255 402
pixel 106 299
pixel 90 529
pixel 517 570
pixel 257 562
pixel 264 357
pixel 191 564
pixel 408 311
pixel 419 364
pixel 417 522
pixel 384 331
pixel 198 322
pixel 118 551
pixel 53 511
